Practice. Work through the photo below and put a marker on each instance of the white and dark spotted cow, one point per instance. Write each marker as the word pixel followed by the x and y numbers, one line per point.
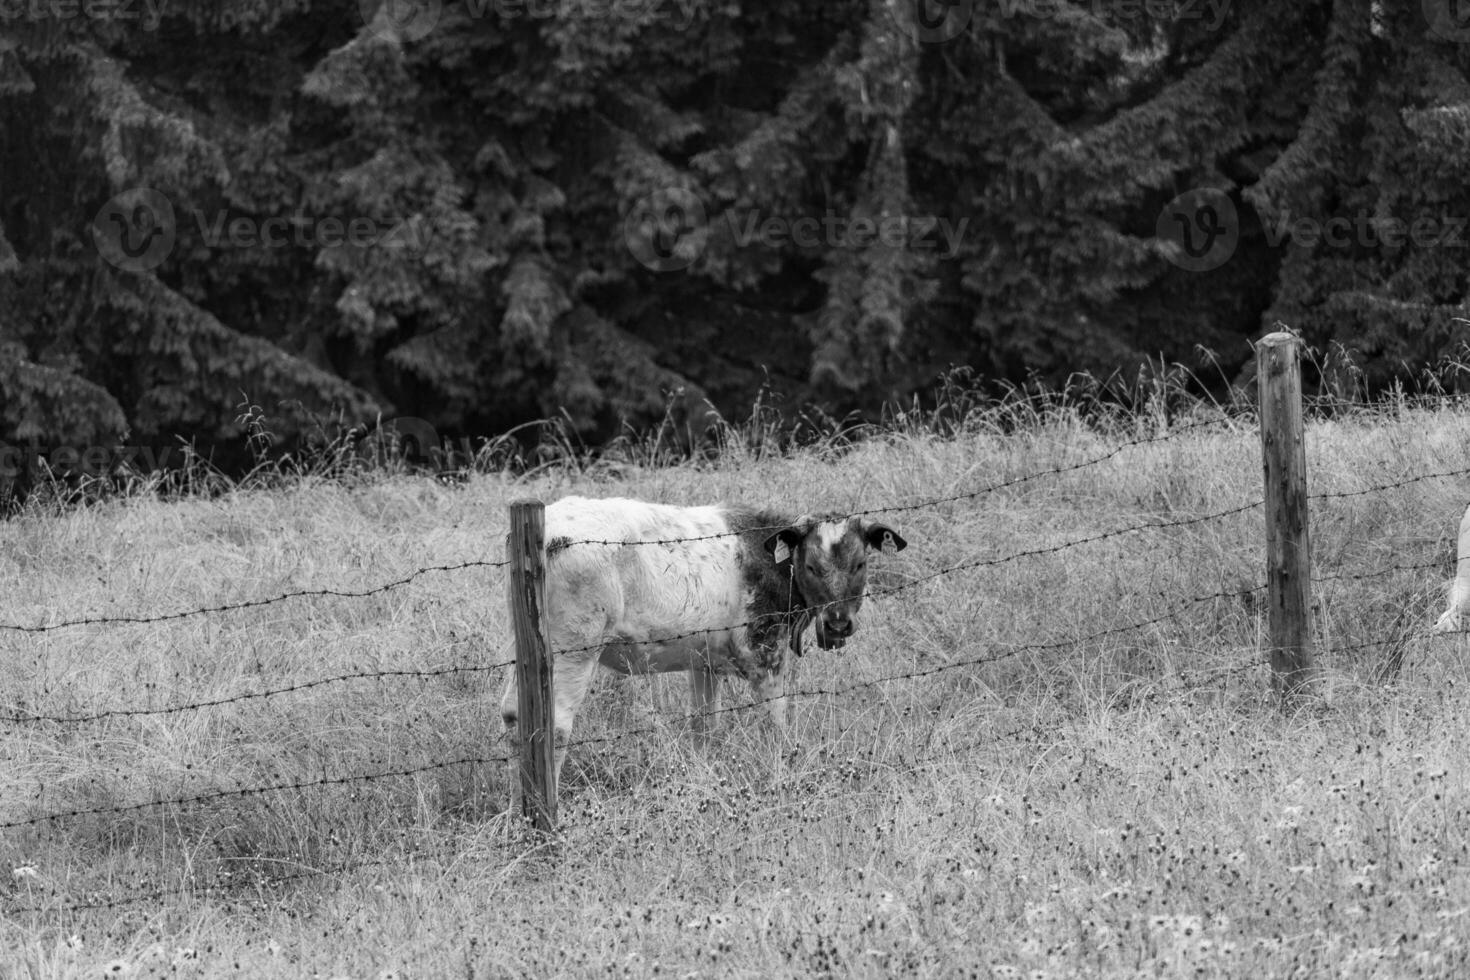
pixel 708 590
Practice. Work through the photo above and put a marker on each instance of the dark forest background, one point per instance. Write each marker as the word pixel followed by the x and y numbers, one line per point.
pixel 589 207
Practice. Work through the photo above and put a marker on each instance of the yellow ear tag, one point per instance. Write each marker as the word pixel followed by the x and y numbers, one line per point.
pixel 781 552
pixel 889 545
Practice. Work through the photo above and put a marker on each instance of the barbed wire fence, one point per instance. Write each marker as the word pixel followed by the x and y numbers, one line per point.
pixel 937 750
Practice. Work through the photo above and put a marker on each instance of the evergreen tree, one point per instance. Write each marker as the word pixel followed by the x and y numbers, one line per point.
pixel 481 213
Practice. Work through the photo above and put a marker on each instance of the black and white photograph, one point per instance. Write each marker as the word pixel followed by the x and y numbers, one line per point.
pixel 734 488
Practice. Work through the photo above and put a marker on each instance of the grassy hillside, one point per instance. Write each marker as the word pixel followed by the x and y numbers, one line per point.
pixel 1060 761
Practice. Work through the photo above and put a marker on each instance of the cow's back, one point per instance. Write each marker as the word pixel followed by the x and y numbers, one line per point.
pixel 665 570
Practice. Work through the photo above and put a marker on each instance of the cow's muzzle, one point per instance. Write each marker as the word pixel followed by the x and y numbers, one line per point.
pixel 833 631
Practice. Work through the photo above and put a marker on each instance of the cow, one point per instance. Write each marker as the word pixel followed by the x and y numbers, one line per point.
pixel 1450 620
pixel 645 588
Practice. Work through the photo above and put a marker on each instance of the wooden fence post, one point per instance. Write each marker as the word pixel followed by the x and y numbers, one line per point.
pixel 535 731
pixel 1288 551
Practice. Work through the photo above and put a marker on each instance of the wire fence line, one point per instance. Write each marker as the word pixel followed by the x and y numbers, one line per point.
pixel 1379 572
pixel 968 662
pixel 375 675
pixel 1173 433
pixel 1005 484
pixel 1381 487
pixel 1051 727
pixel 231 882
pixel 238 792
pixel 227 882
pixel 968 565
pixel 972 564
pixel 1039 728
pixel 34 717
pixel 250 603
pixel 820 691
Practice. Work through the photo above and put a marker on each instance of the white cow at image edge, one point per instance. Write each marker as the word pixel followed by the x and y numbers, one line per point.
pixel 1450 620
pixel 644 588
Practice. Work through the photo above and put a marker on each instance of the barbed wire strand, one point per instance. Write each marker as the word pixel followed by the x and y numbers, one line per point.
pixel 246 791
pixel 1377 572
pixel 249 603
pixel 1379 488
pixel 253 695
pixel 922 504
pixel 229 882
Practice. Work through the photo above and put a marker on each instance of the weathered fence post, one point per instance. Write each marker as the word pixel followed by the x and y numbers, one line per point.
pixel 536 734
pixel 1288 551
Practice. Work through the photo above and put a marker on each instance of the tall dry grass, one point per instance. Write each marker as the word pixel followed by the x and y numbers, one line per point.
pixel 1052 792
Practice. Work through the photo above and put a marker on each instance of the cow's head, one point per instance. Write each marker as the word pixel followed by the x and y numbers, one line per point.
pixel 829 562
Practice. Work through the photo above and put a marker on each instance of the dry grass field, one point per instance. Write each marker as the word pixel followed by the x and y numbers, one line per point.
pixel 1061 761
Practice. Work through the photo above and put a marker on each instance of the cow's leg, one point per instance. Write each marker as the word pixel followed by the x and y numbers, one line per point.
pixel 1451 620
pixel 571 677
pixel 704 694
pixel 576 638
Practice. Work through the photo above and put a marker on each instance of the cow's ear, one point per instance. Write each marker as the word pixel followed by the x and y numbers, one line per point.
pixel 879 535
pixel 783 543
